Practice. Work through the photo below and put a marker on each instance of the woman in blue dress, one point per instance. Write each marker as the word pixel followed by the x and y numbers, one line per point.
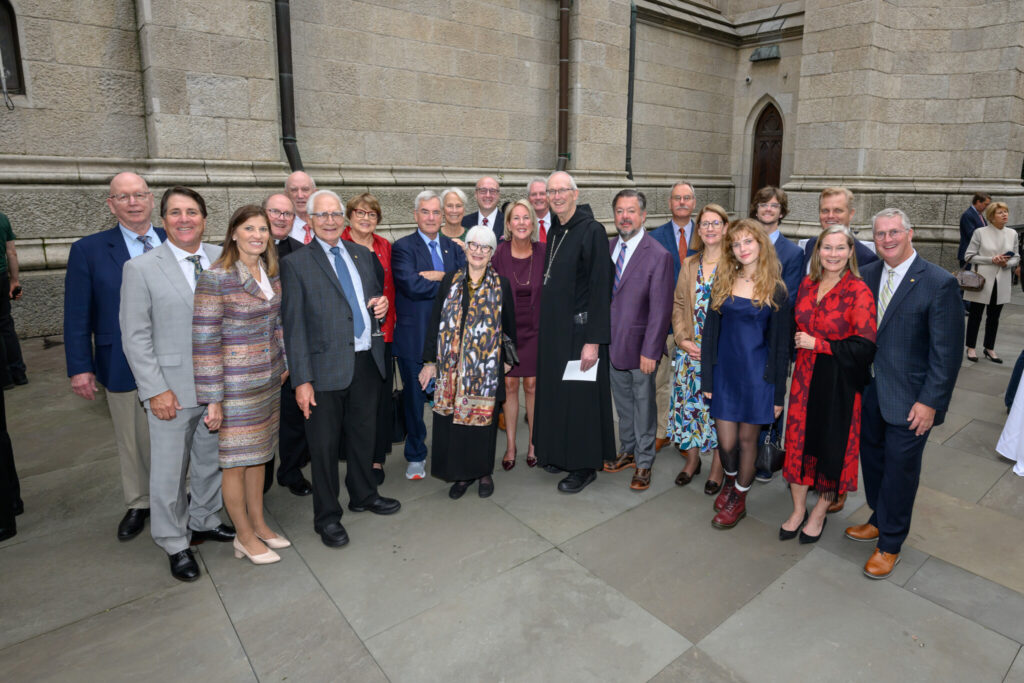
pixel 745 357
pixel 689 423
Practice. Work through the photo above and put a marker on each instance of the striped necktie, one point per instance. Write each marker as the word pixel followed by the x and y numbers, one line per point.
pixel 146 243
pixel 620 263
pixel 885 295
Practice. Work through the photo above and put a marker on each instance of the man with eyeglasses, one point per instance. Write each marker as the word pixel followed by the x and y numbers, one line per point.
pixel 918 356
pixel 418 263
pixel 573 429
pixel 329 292
pixel 92 334
pixel 675 236
pixel 537 195
pixel 293 451
pixel 299 187
pixel 487 192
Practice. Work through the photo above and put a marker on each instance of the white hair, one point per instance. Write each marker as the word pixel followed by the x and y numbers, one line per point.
pixel 458 193
pixel 890 213
pixel 535 179
pixel 311 204
pixel 572 181
pixel 481 234
pixel 311 181
pixel 424 196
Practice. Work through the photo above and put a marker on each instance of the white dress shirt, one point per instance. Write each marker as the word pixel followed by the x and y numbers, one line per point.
pixel 631 244
pixel 264 283
pixel 491 218
pixel 362 341
pixel 900 272
pixel 676 230
pixel 187 269
pixel 299 230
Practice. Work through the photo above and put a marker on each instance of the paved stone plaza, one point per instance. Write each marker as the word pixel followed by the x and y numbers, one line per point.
pixel 530 585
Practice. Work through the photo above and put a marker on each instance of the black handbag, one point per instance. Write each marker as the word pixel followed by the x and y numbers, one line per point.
pixel 509 346
pixel 770 454
pixel 398 431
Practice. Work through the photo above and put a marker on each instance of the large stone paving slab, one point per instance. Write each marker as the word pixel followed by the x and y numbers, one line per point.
pixel 696 666
pixel 179 633
pixel 979 437
pixel 816 618
pixel 1016 672
pixel 953 423
pixel 977 406
pixel 1007 495
pixel 958 474
pixel 545 620
pixel 399 565
pixel 667 557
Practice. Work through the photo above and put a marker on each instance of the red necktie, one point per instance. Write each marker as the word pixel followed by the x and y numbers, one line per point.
pixel 485 222
pixel 543 232
pixel 309 234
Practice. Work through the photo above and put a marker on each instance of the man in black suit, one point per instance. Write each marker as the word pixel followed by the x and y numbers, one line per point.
pixel 970 220
pixel 336 363
pixel 835 207
pixel 488 194
pixel 920 332
pixel 292 448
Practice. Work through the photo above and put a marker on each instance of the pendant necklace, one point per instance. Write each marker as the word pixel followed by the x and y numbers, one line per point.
pixel 554 253
pixel 529 270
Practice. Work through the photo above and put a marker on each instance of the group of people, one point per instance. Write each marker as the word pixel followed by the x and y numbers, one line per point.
pixel 286 338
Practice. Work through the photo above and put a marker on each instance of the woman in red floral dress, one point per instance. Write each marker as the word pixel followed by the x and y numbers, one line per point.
pixel 835 340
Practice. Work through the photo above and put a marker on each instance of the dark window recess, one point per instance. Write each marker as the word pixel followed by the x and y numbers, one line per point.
pixel 10 51
pixel 767 157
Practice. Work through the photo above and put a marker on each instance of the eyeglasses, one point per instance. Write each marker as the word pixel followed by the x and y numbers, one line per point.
pixel 125 198
pixel 328 215
pixel 360 213
pixel 427 213
pixel 478 248
pixel 710 224
pixel 683 197
pixel 278 213
pixel 770 205
pixel 487 190
pixel 559 190
pixel 888 234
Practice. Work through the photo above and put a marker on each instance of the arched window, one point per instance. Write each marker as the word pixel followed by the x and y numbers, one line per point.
pixel 10 53
pixel 767 155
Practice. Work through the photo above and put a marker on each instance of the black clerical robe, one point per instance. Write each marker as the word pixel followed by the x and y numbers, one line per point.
pixel 573 420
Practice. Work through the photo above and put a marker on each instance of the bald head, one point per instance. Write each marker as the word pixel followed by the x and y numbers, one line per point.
pixel 282 215
pixel 131 202
pixel 298 187
pixel 562 195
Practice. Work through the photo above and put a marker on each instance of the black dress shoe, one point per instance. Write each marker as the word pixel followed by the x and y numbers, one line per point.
pixel 184 566
pixel 551 469
pixel 333 535
pixel 988 354
pixel 458 488
pixel 806 538
pixel 577 481
pixel 8 532
pixel 19 507
pixel 20 380
pixel 301 487
pixel 222 534
pixel 132 524
pixel 379 505
pixel 785 535
pixel 485 488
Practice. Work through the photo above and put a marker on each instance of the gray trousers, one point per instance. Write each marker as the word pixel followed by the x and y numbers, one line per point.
pixel 635 403
pixel 179 447
pixel 131 432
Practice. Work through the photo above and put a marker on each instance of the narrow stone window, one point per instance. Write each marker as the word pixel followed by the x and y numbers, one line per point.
pixel 10 52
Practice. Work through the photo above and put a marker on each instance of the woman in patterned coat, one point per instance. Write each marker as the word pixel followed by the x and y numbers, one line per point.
pixel 835 341
pixel 238 357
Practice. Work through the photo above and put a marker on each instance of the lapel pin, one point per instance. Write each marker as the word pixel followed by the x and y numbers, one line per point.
pixel 912 280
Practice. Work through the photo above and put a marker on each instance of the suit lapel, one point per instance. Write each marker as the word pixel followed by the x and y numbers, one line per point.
pixel 325 264
pixel 447 254
pixel 909 281
pixel 635 261
pixel 249 283
pixel 172 271
pixel 118 249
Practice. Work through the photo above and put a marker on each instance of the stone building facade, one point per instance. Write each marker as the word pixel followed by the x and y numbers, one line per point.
pixel 912 103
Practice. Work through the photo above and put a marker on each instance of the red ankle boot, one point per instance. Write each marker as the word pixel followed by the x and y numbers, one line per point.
pixel 728 484
pixel 734 510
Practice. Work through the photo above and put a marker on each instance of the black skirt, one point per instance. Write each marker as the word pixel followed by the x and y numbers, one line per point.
pixel 460 452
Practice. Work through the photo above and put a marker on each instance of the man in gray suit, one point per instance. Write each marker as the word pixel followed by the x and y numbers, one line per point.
pixel 156 328
pixel 336 362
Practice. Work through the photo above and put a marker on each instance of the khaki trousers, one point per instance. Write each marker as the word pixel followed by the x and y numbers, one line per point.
pixel 663 383
pixel 131 432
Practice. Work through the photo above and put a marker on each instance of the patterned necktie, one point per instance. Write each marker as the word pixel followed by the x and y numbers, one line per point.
pixel 435 256
pixel 886 294
pixel 620 263
pixel 485 221
pixel 146 244
pixel 543 232
pixel 197 267
pixel 350 292
pixel 309 234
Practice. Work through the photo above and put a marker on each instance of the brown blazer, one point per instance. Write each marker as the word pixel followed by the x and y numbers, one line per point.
pixel 682 305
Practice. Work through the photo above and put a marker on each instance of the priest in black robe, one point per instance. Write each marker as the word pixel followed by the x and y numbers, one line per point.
pixel 573 430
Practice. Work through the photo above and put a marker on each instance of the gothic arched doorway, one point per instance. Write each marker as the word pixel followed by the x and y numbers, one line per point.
pixel 767 149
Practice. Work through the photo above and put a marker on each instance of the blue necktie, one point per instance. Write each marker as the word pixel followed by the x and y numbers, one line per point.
pixel 620 263
pixel 435 256
pixel 146 245
pixel 350 292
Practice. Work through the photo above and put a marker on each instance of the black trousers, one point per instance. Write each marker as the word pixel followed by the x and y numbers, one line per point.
pixel 347 416
pixel 991 321
pixel 14 365
pixel 293 451
pixel 385 414
pixel 10 489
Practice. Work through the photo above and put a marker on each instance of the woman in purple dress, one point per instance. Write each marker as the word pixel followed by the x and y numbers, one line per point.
pixel 520 258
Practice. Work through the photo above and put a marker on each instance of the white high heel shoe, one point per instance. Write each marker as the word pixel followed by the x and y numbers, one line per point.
pixel 276 543
pixel 268 557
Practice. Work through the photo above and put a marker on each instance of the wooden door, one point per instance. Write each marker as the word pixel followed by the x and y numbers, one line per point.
pixel 767 150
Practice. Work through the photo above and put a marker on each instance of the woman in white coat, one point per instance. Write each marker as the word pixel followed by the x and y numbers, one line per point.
pixel 993 253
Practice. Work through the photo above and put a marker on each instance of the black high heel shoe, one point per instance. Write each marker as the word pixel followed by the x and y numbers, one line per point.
pixel 807 538
pixel 790 535
pixel 991 356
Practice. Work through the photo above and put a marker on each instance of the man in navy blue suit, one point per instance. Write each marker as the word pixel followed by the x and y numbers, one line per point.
pixel 672 235
pixel 418 262
pixel 920 332
pixel 970 220
pixel 835 207
pixel 92 334
pixel 488 193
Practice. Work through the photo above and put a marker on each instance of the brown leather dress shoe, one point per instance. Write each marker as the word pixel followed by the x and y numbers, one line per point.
pixel 620 463
pixel 660 443
pixel 881 564
pixel 862 532
pixel 839 504
pixel 641 480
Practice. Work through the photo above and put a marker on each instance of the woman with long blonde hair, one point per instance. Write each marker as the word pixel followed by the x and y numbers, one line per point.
pixel 745 357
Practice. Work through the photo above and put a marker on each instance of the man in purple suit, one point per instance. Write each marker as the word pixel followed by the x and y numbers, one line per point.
pixel 641 313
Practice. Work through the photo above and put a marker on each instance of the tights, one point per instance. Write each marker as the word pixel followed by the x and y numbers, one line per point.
pixel 737 443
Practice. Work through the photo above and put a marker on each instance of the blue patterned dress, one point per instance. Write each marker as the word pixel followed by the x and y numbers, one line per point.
pixel 689 421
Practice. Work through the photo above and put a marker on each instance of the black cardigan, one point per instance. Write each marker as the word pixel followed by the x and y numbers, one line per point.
pixel 780 341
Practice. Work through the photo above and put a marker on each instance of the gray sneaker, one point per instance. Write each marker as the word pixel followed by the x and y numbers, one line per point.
pixel 416 470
